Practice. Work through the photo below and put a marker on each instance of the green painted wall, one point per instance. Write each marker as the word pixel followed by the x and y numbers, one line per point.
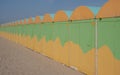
pixel 79 32
pixel 109 34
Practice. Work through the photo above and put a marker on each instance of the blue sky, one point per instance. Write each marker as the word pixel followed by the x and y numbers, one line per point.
pixel 12 10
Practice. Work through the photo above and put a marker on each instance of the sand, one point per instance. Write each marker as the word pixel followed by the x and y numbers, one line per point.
pixel 15 59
